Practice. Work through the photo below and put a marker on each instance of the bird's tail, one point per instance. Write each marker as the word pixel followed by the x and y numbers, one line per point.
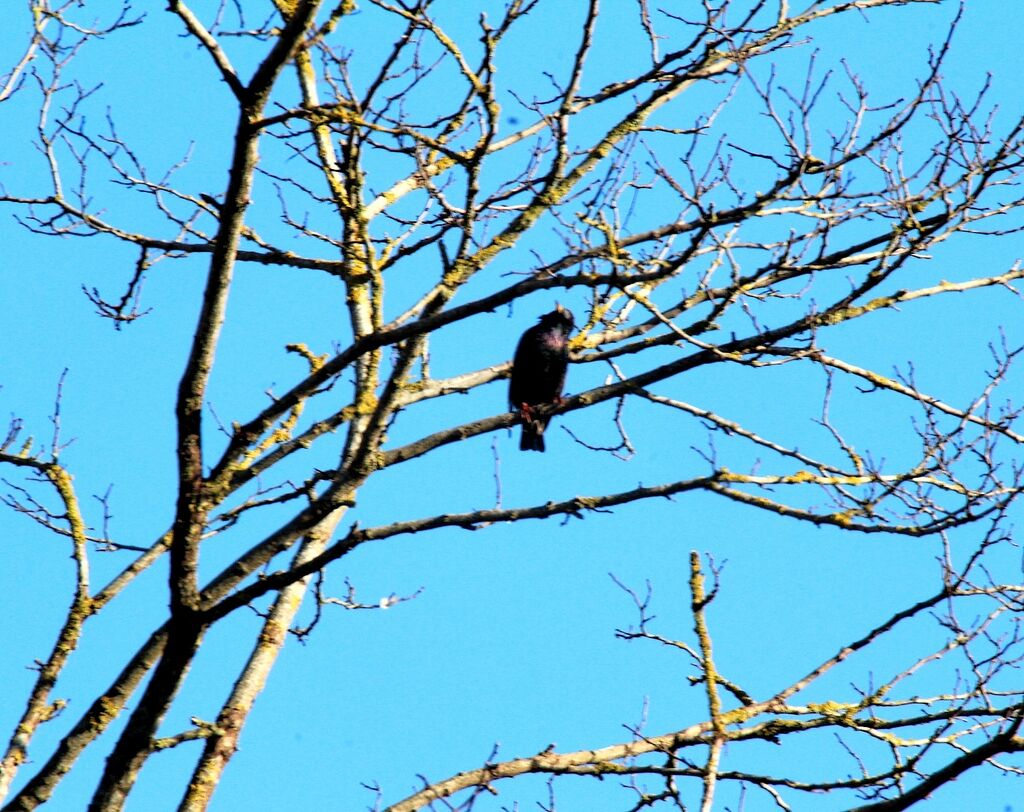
pixel 532 438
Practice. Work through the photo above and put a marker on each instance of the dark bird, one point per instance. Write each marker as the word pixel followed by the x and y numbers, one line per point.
pixel 538 373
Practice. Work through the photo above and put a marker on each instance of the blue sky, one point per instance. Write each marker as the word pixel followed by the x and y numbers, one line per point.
pixel 512 638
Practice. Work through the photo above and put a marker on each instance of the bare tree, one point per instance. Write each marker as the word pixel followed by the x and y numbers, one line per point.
pixel 430 176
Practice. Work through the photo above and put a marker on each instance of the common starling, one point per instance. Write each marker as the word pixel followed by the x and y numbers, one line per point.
pixel 538 373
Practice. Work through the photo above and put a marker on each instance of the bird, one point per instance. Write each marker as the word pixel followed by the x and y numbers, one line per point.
pixel 538 373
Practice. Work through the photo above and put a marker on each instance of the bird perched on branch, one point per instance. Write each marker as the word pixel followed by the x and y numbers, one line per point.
pixel 538 373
